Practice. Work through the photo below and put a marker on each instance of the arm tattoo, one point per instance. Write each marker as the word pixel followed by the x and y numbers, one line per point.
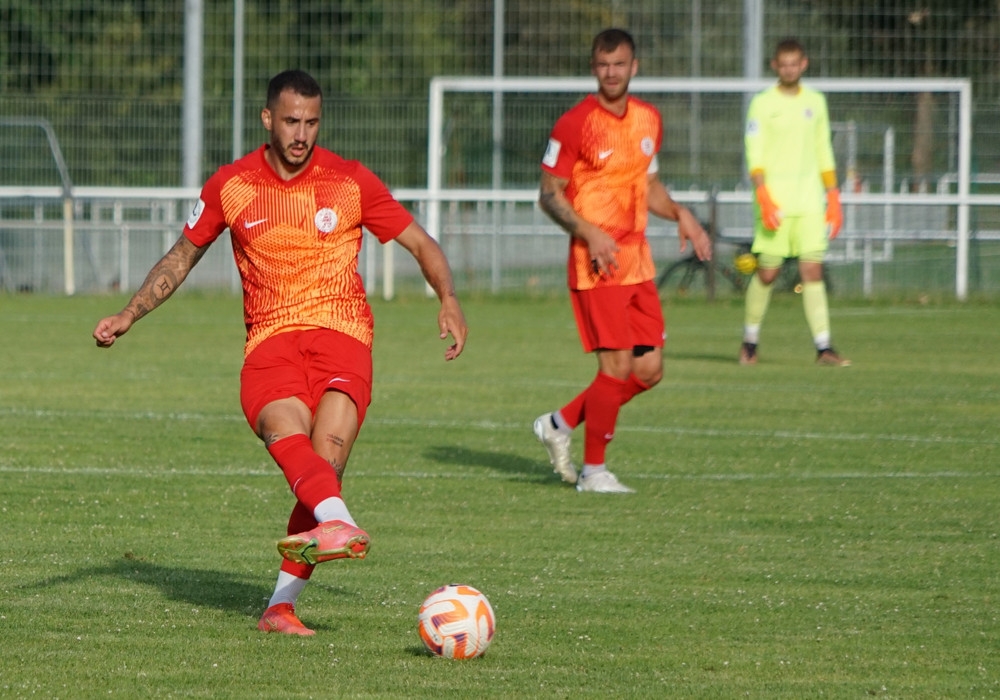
pixel 553 202
pixel 165 288
pixel 562 214
pixel 165 277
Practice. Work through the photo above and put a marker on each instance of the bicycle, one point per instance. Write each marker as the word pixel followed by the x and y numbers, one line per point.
pixel 691 273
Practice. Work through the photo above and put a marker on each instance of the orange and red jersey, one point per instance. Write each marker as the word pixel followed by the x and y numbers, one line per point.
pixel 296 242
pixel 607 160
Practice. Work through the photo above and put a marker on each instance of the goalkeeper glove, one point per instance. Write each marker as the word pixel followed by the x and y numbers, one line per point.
pixel 834 214
pixel 770 215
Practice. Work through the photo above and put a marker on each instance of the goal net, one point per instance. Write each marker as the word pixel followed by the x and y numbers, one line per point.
pixel 904 159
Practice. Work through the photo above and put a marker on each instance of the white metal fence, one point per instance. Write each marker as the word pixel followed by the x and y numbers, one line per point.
pixel 101 240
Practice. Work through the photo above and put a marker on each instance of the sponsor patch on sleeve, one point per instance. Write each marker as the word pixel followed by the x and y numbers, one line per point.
pixel 551 153
pixel 199 207
pixel 753 127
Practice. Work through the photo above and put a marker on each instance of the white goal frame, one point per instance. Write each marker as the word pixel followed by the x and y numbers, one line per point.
pixel 961 87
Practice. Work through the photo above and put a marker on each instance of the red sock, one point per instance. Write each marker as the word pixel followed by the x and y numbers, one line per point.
pixel 604 398
pixel 572 412
pixel 311 477
pixel 301 520
pixel 633 387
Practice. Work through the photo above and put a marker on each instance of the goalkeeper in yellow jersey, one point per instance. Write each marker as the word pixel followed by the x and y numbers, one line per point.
pixel 796 200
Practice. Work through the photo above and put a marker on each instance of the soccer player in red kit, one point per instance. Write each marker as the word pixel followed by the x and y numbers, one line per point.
pixel 599 181
pixel 295 213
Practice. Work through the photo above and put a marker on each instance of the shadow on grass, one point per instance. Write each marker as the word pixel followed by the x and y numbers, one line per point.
pixel 200 587
pixel 419 650
pixel 731 359
pixel 528 469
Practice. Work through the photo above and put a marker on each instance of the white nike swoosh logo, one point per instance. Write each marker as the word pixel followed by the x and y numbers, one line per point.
pixel 251 224
pixel 605 154
pixel 338 379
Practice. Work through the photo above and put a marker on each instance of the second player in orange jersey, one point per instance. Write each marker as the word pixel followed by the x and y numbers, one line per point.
pixel 599 182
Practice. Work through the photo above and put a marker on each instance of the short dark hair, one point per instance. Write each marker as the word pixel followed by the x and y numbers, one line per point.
pixel 789 45
pixel 298 81
pixel 610 39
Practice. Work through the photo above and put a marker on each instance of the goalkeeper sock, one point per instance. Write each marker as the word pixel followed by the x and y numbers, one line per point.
pixel 817 313
pixel 757 300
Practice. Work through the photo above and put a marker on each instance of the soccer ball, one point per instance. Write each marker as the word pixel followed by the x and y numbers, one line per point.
pixel 456 622
pixel 746 263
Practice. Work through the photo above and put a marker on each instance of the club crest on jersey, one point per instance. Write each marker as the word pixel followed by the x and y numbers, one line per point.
pixel 326 220
pixel 647 145
pixel 808 114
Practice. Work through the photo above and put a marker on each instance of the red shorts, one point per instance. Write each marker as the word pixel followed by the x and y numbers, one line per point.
pixel 306 364
pixel 619 318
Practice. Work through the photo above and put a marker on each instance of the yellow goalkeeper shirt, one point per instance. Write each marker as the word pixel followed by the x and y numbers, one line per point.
pixel 788 139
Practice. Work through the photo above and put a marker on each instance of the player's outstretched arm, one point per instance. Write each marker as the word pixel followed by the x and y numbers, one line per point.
pixel 163 280
pixel 688 227
pixel 435 268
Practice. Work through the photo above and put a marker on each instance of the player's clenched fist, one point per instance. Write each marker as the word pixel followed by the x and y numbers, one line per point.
pixel 108 329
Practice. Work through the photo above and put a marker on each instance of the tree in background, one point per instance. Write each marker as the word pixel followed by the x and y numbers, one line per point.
pixel 917 39
pixel 108 74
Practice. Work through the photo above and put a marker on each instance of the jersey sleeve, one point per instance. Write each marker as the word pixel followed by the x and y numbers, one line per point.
pixel 824 146
pixel 381 213
pixel 753 139
pixel 654 162
pixel 563 148
pixel 207 220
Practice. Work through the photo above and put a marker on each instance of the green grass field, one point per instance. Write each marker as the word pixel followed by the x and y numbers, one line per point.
pixel 798 532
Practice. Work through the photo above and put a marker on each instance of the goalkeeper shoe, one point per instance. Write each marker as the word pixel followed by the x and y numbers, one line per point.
pixel 557 445
pixel 830 358
pixel 333 539
pixel 281 618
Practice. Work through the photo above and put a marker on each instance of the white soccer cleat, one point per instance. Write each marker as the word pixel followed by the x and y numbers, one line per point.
pixel 557 445
pixel 602 482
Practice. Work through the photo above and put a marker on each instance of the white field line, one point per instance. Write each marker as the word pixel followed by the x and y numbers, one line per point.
pixel 485 474
pixel 518 426
pixel 244 471
pixel 897 311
